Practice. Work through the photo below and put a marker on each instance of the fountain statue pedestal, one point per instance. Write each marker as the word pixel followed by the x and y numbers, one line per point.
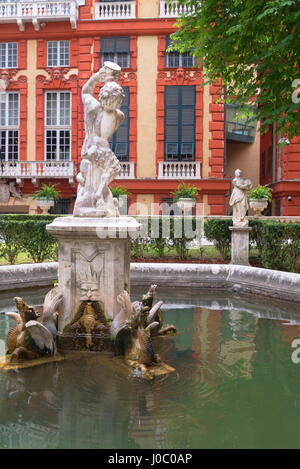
pixel 240 245
pixel 94 262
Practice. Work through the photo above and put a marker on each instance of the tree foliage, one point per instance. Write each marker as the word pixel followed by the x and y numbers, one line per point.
pixel 254 46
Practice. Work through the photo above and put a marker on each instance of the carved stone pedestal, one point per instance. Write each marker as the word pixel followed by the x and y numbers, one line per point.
pixel 240 245
pixel 94 267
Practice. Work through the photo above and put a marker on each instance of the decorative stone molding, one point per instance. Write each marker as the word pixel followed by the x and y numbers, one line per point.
pixel 8 74
pixel 57 78
pixel 181 76
pixel 127 77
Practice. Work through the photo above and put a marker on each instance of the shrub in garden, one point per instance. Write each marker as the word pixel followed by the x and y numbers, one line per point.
pixel 256 234
pixel 27 233
pixel 278 243
pixel 217 231
pixel 153 234
pixel 11 234
pixel 280 246
pixel 37 242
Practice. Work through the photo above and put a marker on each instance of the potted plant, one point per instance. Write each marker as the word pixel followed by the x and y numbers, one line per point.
pixel 185 197
pixel 258 199
pixel 120 193
pixel 46 197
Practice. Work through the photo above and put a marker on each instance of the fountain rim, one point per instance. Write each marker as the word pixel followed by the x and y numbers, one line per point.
pixel 246 279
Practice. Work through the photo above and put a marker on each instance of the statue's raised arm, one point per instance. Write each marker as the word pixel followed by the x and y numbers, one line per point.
pixel 103 117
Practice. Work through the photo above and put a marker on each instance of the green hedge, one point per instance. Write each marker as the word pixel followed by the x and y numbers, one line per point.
pixel 171 235
pixel 217 231
pixel 27 233
pixel 24 217
pixel 278 244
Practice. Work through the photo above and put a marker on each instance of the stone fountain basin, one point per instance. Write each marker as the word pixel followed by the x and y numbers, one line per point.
pixel 258 281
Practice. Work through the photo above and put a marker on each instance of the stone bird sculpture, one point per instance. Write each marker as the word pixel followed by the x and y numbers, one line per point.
pixel 131 336
pixel 154 321
pixel 33 335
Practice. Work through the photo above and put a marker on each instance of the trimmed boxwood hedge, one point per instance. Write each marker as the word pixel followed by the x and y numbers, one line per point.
pixel 217 231
pixel 278 244
pixel 27 233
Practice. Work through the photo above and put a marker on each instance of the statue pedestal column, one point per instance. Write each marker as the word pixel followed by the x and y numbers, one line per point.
pixel 93 262
pixel 240 245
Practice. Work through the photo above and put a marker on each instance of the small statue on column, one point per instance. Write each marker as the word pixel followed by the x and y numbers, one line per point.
pixel 238 200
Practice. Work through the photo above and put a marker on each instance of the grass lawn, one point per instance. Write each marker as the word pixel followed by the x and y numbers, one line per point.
pixel 205 253
pixel 22 258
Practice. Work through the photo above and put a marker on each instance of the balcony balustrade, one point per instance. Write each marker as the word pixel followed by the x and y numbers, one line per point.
pixel 173 9
pixel 38 12
pixel 115 10
pixel 179 170
pixel 127 170
pixel 35 170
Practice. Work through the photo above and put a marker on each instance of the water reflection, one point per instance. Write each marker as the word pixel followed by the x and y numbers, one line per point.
pixel 235 386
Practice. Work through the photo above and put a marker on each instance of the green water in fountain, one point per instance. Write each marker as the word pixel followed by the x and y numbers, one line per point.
pixel 235 387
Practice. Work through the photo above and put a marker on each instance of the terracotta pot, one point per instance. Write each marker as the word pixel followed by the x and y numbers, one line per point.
pixel 258 206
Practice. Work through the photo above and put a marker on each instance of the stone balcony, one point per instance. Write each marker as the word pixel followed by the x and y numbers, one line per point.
pixel 173 9
pixel 115 10
pixel 127 170
pixel 179 170
pixel 37 12
pixel 36 170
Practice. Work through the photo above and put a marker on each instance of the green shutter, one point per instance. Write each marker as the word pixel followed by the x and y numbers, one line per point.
pixel 115 44
pixel 180 123
pixel 120 139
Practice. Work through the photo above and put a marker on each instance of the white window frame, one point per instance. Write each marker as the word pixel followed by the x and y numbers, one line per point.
pixel 15 65
pixel 57 128
pixel 115 58
pixel 58 45
pixel 180 63
pixel 6 127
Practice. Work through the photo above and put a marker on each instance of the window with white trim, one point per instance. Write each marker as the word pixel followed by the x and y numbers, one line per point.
pixel 177 59
pixel 58 125
pixel 9 126
pixel 8 55
pixel 58 53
